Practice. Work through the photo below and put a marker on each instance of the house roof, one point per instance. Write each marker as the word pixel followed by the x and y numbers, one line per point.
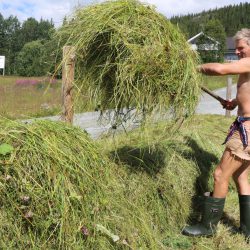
pixel 190 40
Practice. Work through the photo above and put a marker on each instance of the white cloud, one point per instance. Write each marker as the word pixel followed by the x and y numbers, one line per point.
pixel 58 9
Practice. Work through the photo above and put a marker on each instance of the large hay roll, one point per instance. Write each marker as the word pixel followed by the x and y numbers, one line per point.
pixel 131 56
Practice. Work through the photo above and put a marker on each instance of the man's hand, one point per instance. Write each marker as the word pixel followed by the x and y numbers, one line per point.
pixel 229 104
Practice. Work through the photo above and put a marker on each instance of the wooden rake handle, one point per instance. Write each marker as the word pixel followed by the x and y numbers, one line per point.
pixel 220 99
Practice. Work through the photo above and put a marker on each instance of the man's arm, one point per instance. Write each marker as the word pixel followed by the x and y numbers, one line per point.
pixel 216 69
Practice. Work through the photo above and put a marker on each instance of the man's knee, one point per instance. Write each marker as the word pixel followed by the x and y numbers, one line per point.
pixel 219 176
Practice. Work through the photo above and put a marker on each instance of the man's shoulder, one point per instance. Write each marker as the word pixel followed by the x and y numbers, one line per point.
pixel 244 60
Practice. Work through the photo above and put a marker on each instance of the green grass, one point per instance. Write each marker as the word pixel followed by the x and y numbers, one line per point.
pixel 216 82
pixel 140 186
pixel 39 100
pixel 28 101
pixel 129 55
pixel 181 169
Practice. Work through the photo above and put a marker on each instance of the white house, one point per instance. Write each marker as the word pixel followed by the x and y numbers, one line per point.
pixel 211 44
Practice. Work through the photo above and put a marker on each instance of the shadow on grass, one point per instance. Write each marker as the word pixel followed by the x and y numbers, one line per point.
pixel 204 161
pixel 141 159
pixel 152 161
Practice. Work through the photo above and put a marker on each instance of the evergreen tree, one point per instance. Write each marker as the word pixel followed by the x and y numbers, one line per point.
pixel 232 17
pixel 10 42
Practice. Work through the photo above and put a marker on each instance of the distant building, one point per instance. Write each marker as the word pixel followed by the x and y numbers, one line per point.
pixel 230 50
pixel 208 43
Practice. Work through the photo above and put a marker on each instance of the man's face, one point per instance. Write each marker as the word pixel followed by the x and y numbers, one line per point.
pixel 242 49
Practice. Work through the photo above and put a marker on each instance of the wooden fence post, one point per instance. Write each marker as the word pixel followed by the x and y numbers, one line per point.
pixel 229 93
pixel 68 70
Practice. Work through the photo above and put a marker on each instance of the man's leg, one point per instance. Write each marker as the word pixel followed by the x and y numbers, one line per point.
pixel 228 165
pixel 243 186
pixel 213 206
pixel 241 179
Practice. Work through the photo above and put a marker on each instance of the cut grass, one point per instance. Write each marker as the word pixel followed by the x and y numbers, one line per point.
pixel 182 167
pixel 131 56
pixel 142 187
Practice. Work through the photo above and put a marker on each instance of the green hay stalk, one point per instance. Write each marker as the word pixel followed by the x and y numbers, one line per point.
pixel 49 184
pixel 130 56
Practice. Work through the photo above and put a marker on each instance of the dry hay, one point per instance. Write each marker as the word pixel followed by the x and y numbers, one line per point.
pixel 130 56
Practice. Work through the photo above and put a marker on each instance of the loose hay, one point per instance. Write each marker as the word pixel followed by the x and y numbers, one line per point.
pixel 58 191
pixel 130 56
pixel 50 185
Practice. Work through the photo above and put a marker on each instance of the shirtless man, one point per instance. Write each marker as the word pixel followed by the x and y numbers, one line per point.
pixel 235 161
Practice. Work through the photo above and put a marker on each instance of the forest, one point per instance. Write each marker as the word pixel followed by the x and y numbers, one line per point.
pixel 232 18
pixel 31 48
pixel 28 47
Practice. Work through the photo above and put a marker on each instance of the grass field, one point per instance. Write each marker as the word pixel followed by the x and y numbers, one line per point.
pixel 29 97
pixel 184 172
pixel 216 82
pixel 25 97
pixel 152 180
pixel 133 191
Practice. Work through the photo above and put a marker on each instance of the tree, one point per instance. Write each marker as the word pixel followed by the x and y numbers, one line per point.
pixel 211 46
pixel 31 59
pixel 30 30
pixel 1 33
pixel 45 29
pixel 10 42
pixel 215 30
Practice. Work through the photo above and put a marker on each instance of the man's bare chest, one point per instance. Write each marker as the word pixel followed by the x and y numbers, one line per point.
pixel 244 81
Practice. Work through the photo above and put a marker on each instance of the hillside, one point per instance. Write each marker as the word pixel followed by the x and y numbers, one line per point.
pixel 232 17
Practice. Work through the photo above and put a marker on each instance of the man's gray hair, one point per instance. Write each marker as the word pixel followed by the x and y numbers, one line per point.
pixel 243 34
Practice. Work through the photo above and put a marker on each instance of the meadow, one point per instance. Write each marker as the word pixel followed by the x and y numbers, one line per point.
pixel 216 82
pixel 59 189
pixel 133 191
pixel 27 97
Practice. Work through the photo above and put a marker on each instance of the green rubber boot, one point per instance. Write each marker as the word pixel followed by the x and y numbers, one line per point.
pixel 211 214
pixel 244 201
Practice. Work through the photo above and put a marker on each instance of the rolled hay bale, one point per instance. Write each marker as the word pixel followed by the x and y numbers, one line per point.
pixel 130 56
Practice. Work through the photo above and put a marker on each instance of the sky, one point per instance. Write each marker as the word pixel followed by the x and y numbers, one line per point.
pixel 58 9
